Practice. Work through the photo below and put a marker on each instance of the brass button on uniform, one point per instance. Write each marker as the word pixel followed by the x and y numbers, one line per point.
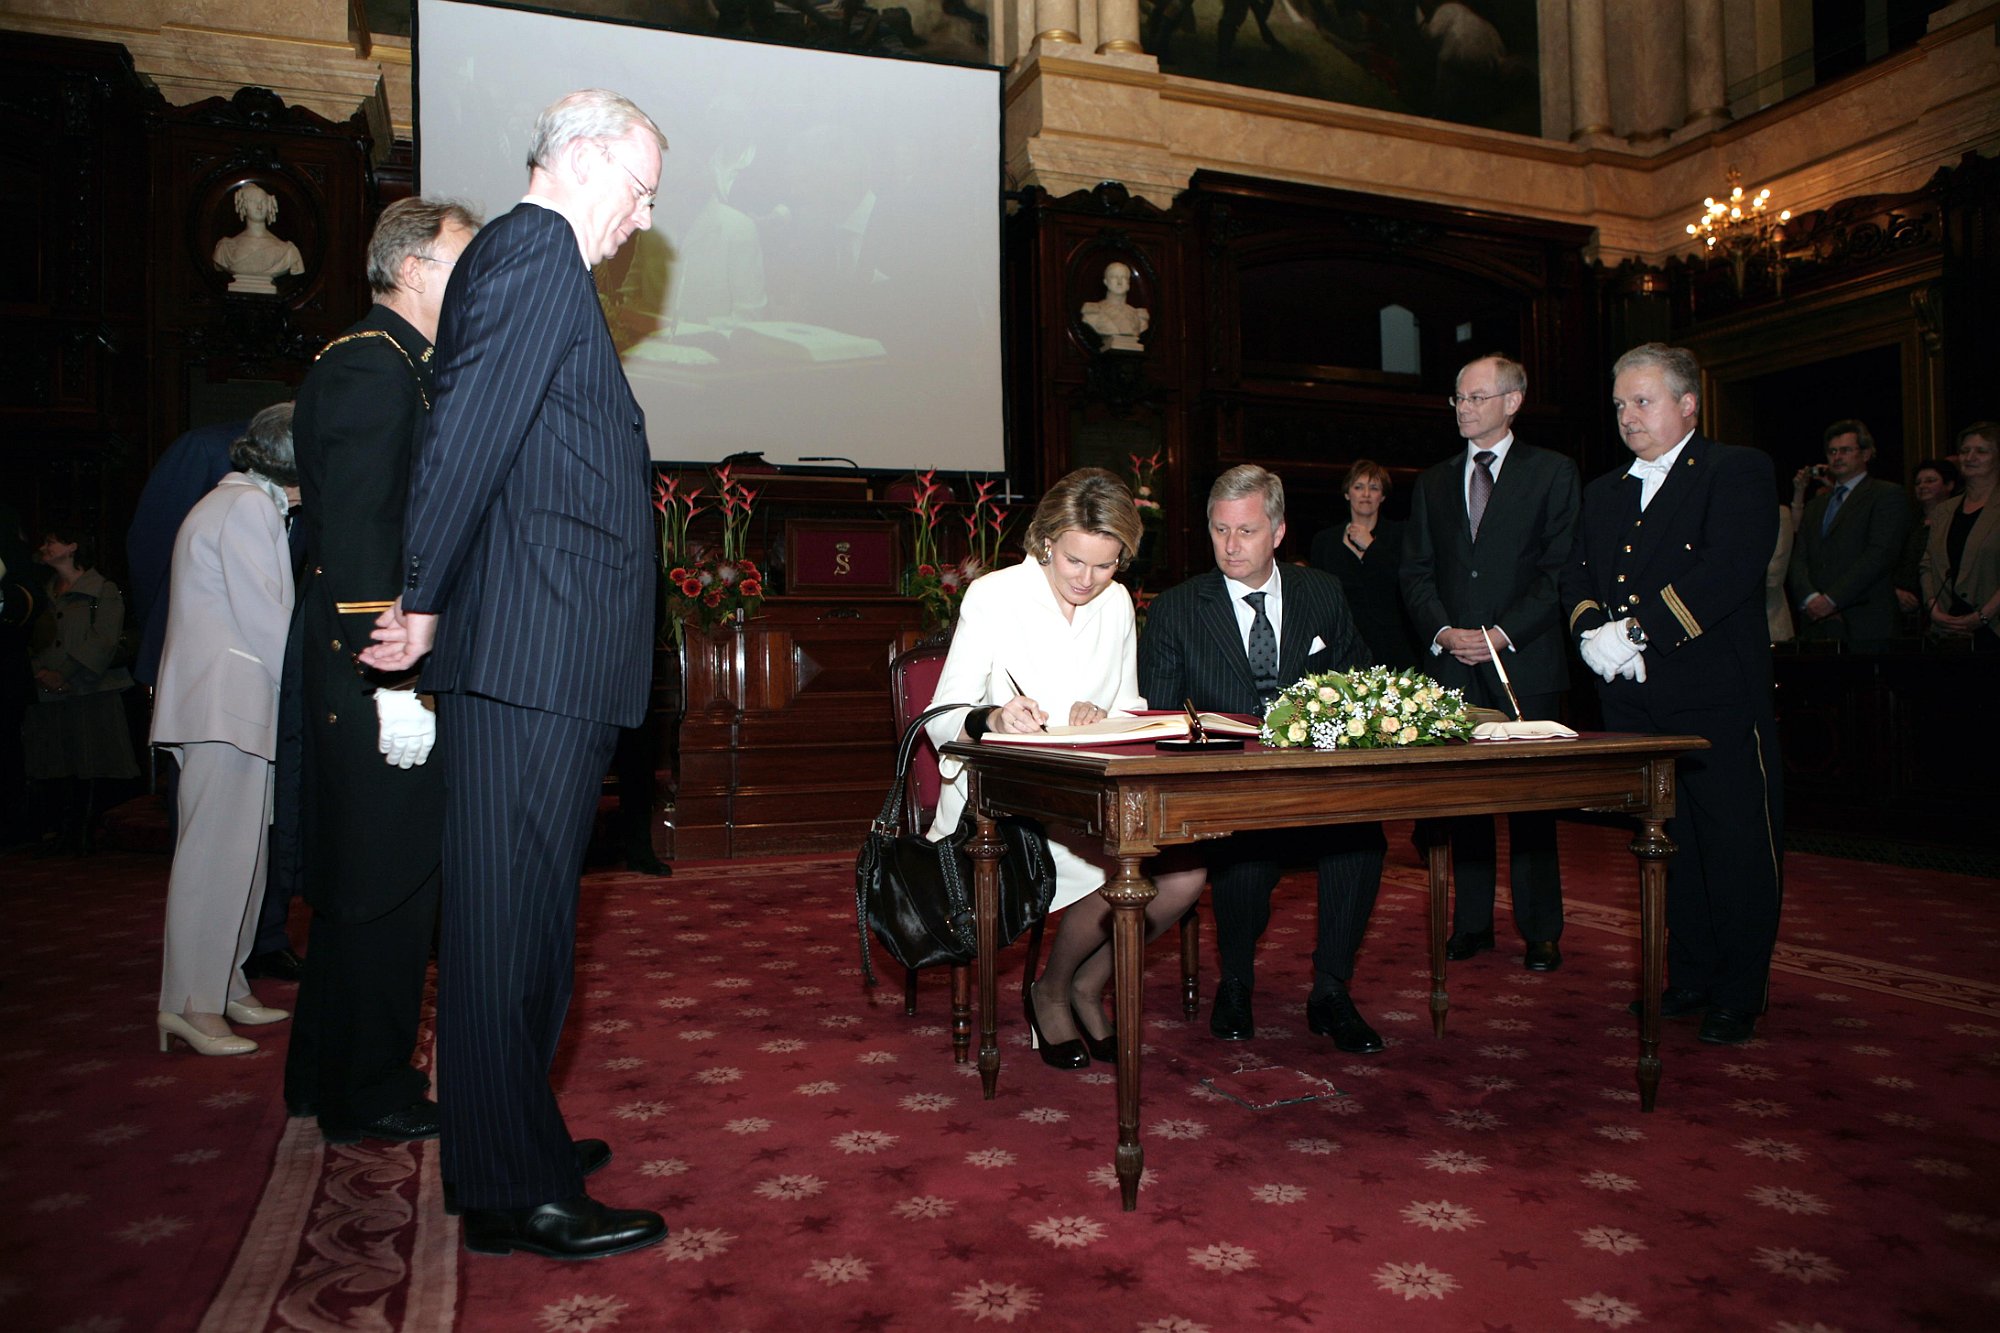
pixel 336 645
pixel 332 718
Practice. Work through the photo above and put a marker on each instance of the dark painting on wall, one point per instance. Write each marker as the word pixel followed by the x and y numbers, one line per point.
pixel 1471 61
pixel 947 30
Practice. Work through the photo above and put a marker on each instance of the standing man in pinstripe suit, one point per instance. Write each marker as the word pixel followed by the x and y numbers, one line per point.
pixel 529 582
pixel 1228 641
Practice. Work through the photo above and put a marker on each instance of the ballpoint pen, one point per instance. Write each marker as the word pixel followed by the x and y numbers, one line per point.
pixel 1022 693
pixel 1195 730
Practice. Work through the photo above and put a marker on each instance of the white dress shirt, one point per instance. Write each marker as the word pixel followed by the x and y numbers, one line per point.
pixel 1653 475
pixel 1274 606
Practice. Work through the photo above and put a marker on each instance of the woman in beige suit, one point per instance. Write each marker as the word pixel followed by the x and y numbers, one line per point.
pixel 216 706
pixel 1961 566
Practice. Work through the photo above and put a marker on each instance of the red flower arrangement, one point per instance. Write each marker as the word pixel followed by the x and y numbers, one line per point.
pixel 706 585
pixel 937 584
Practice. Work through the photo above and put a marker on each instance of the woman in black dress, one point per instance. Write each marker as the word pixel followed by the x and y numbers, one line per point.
pixel 1366 555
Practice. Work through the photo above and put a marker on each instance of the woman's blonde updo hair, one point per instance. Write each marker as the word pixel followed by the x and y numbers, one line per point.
pixel 1087 500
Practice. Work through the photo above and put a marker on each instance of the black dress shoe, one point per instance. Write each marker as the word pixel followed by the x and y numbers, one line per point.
pixel 643 860
pixel 301 1109
pixel 1229 1018
pixel 1726 1027
pixel 592 1156
pixel 1336 1015
pixel 1101 1048
pixel 578 1228
pixel 1055 1054
pixel 1467 943
pixel 1543 956
pixel 1676 1002
pixel 418 1120
pixel 274 965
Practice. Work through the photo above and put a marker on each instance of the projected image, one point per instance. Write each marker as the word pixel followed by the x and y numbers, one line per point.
pixel 821 277
pixel 802 246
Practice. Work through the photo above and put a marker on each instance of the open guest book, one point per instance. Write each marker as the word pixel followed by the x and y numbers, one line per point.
pixel 1147 727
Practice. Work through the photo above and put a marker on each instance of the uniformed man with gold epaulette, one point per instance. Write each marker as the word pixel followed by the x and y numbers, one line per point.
pixel 1664 593
pixel 372 809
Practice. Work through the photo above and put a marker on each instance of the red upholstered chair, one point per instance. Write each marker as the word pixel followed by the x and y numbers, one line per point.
pixel 913 678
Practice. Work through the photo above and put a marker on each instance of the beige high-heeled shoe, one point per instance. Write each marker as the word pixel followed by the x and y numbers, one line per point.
pixel 173 1026
pixel 252 1013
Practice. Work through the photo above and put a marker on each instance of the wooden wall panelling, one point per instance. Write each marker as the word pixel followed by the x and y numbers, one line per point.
pixel 1293 283
pixel 1884 745
pixel 72 286
pixel 219 355
pixel 788 744
pixel 1073 403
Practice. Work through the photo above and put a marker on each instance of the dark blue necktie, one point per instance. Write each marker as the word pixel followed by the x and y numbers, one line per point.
pixel 1833 503
pixel 1263 648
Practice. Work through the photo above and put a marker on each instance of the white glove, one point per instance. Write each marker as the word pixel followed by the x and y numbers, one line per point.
pixel 1609 653
pixel 1634 668
pixel 408 728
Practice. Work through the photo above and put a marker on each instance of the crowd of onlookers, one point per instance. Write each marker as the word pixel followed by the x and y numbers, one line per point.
pixel 1861 564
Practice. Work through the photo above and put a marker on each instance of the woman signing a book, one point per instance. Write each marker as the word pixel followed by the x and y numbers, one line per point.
pixel 1052 639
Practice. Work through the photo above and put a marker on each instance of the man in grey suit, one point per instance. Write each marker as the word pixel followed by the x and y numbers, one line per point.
pixel 529 580
pixel 1490 530
pixel 1842 576
pixel 1228 641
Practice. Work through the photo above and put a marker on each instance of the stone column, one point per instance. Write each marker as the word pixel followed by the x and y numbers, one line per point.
pixel 1707 97
pixel 1118 26
pixel 1589 80
pixel 1055 21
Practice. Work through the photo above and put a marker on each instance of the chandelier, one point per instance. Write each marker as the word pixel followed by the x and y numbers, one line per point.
pixel 1741 226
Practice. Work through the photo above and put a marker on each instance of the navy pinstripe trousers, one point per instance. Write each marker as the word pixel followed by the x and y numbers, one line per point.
pixel 521 792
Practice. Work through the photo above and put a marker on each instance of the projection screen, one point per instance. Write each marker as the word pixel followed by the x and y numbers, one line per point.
pixel 822 276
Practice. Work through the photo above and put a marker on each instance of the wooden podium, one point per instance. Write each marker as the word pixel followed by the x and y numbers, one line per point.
pixel 787 743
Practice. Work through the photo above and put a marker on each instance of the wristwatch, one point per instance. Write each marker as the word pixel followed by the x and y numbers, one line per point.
pixel 1635 633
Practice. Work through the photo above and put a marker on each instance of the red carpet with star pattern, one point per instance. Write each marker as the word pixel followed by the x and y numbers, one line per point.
pixel 824 1165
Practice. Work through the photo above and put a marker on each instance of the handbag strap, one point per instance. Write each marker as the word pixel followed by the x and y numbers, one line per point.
pixel 890 821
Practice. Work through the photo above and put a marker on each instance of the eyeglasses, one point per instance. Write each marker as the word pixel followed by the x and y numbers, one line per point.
pixel 447 263
pixel 1472 399
pixel 642 196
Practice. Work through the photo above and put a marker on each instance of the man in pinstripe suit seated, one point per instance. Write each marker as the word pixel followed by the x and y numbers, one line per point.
pixel 529 580
pixel 1228 641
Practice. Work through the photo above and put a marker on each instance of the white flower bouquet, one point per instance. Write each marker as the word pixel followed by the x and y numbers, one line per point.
pixel 1375 708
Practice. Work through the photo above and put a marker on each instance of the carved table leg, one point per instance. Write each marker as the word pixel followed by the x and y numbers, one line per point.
pixel 1438 854
pixel 985 852
pixel 961 1013
pixel 1653 849
pixel 1128 895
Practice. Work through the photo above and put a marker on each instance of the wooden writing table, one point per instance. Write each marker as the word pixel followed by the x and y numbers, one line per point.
pixel 1136 800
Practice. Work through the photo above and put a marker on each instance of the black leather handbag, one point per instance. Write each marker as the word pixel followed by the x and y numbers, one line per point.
pixel 916 895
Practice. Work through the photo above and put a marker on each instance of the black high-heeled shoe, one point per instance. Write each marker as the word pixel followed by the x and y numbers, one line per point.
pixel 1104 1049
pixel 1055 1054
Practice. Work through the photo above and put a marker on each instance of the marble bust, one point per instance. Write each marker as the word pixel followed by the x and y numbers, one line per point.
pixel 254 256
pixel 1118 323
